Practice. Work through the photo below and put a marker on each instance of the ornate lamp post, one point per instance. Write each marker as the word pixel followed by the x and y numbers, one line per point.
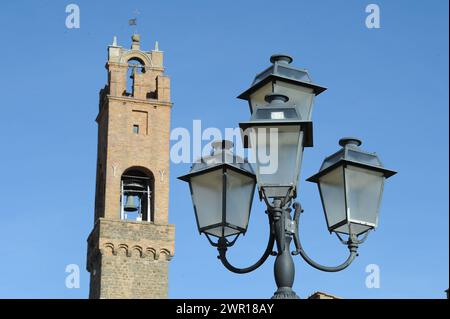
pixel 222 185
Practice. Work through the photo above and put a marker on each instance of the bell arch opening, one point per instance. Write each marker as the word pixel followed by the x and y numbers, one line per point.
pixel 135 66
pixel 137 195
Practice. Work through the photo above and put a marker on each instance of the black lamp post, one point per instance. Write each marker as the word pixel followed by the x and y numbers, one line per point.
pixel 222 185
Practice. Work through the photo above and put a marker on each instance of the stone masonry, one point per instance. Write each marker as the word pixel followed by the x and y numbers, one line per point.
pixel 129 259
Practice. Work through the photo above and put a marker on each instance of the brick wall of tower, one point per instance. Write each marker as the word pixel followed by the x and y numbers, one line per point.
pixel 149 149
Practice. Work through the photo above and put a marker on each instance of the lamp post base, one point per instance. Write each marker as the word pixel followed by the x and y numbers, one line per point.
pixel 285 293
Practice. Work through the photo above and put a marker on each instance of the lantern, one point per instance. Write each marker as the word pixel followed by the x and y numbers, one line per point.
pixel 351 186
pixel 222 187
pixel 282 78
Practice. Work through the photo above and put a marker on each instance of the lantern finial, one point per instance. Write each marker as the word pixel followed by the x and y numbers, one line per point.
pixel 350 141
pixel 281 59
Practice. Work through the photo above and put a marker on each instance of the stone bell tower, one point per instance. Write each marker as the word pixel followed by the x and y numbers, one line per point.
pixel 131 244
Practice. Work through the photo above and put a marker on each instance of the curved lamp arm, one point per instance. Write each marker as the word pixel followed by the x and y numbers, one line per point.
pixel 352 245
pixel 222 248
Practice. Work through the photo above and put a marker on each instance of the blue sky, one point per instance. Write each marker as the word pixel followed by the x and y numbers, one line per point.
pixel 388 86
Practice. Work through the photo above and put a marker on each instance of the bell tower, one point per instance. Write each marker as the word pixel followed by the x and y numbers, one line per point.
pixel 131 244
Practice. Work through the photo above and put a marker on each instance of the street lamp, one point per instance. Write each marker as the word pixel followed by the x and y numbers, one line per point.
pixel 351 184
pixel 222 185
pixel 276 128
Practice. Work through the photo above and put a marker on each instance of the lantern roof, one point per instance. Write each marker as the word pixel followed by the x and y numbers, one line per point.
pixel 221 156
pixel 277 112
pixel 350 153
pixel 282 70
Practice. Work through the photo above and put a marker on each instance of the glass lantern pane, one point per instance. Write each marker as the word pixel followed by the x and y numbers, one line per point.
pixel 257 98
pixel 207 197
pixel 359 229
pixel 364 189
pixel 301 97
pixel 333 196
pixel 217 231
pixel 278 153
pixel 240 190
pixel 352 228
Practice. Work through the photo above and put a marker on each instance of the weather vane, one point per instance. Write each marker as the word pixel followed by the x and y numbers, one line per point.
pixel 133 21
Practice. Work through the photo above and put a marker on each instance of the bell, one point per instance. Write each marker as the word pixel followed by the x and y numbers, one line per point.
pixel 130 205
pixel 133 185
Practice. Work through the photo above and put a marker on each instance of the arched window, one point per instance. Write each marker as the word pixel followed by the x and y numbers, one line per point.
pixel 135 65
pixel 136 195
